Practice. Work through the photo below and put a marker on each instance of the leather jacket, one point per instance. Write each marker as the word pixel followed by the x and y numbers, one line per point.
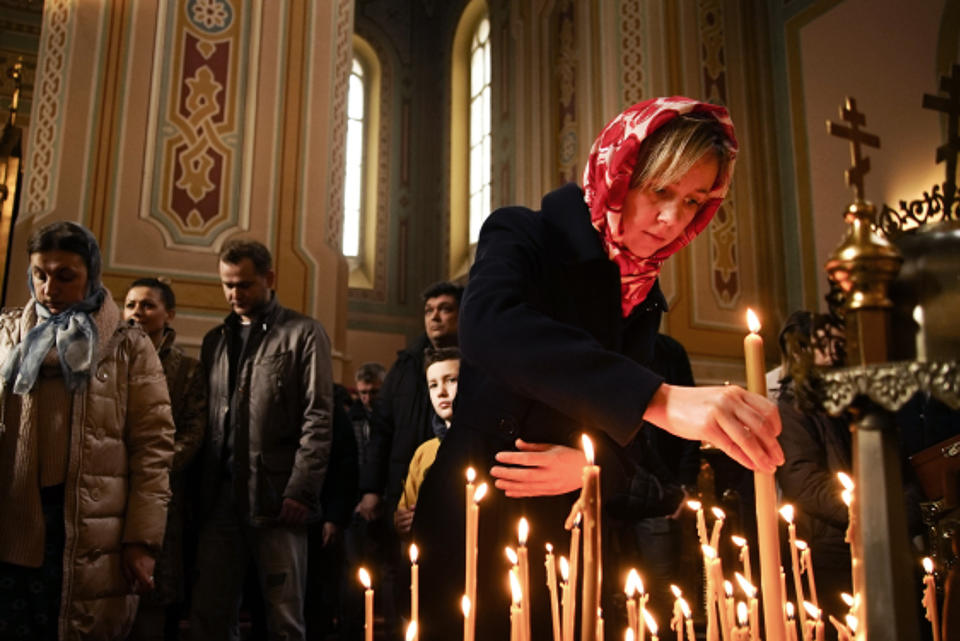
pixel 280 421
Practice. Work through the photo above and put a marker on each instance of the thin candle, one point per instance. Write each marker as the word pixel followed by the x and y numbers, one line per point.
pixel 469 568
pixel 642 619
pixel 590 504
pixel 650 624
pixel 676 621
pixel 930 597
pixel 741 543
pixel 364 577
pixel 720 516
pixel 516 613
pixel 843 632
pixel 791 622
pixel 565 600
pixel 551 567
pixel 687 620
pixel 765 490
pixel 709 566
pixel 816 623
pixel 697 506
pixel 787 513
pixel 570 611
pixel 414 590
pixel 754 609
pixel 806 563
pixel 630 589
pixel 473 520
pixel 523 530
pixel 728 604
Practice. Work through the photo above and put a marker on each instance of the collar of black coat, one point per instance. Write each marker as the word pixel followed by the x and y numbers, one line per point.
pixel 567 218
pixel 266 317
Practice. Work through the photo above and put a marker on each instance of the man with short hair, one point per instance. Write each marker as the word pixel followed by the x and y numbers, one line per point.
pixel 266 453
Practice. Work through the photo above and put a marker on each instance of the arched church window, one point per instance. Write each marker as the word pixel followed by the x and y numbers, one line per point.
pixel 471 148
pixel 353 201
pixel 480 159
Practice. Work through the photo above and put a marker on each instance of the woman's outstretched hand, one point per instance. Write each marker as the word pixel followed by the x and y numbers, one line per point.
pixel 742 424
pixel 543 469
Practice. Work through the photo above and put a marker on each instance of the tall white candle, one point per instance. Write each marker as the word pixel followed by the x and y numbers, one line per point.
pixel 765 491
pixel 364 577
pixel 787 513
pixel 414 590
pixel 741 543
pixel 806 563
pixel 523 530
pixel 566 600
pixel 551 567
pixel 590 501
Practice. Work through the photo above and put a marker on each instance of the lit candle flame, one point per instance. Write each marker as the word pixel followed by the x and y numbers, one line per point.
pixel 414 553
pixel 693 504
pixel 587 448
pixel 684 607
pixel 787 513
pixel 927 565
pixel 847 496
pixel 801 545
pixel 742 615
pixel 523 529
pixel 630 588
pixel 628 635
pixel 852 622
pixel 847 599
pixel 515 589
pixel 717 512
pixel 549 549
pixel 728 588
pixel 577 519
pixel 651 622
pixel 790 613
pixel 480 492
pixel 708 552
pixel 739 541
pixel 471 475
pixel 845 480
pixel 364 577
pixel 511 555
pixel 412 628
pixel 748 588
pixel 812 610
pixel 465 605
pixel 639 584
pixel 753 323
pixel 564 569
pixel 676 591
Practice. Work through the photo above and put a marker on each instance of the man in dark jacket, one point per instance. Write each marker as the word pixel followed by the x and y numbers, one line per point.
pixel 267 449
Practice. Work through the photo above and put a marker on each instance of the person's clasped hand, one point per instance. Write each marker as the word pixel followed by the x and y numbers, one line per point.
pixel 138 564
pixel 538 469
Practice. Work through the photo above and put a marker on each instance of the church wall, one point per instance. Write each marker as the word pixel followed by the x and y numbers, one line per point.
pixel 886 54
pixel 168 132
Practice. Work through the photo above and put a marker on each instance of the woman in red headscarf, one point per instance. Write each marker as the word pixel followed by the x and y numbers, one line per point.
pixel 557 321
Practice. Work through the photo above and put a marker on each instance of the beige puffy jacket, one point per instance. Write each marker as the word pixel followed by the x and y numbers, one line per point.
pixel 117 486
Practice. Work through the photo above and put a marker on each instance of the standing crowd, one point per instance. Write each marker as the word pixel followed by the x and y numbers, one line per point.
pixel 156 496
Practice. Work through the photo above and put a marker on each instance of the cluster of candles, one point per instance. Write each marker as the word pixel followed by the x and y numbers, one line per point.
pixel 726 619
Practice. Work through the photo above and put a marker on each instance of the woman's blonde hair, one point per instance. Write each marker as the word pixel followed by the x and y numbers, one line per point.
pixel 669 152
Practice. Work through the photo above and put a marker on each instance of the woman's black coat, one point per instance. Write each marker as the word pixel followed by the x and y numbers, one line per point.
pixel 547 355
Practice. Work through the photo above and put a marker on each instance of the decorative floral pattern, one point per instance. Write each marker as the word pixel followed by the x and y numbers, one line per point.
pixel 891 385
pixel 210 15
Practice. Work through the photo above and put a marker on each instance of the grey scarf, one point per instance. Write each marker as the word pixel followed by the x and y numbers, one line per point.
pixel 73 331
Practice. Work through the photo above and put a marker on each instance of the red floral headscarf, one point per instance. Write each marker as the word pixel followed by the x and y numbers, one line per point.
pixel 606 180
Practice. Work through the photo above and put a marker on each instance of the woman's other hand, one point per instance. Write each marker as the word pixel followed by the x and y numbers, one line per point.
pixel 543 469
pixel 742 424
pixel 138 564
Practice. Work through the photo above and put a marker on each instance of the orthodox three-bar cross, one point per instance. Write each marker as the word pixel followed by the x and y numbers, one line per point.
pixel 857 137
pixel 950 105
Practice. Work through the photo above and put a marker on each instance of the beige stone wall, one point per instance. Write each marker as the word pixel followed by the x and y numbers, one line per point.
pixel 168 133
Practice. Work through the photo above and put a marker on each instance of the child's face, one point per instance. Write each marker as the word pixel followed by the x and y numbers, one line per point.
pixel 442 383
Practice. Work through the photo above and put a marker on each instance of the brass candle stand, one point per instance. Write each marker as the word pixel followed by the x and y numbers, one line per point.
pixel 898 276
